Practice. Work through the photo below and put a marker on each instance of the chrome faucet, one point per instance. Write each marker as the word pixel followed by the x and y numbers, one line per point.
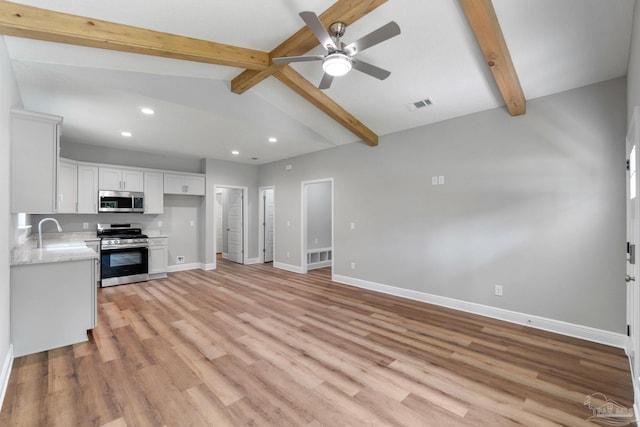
pixel 40 228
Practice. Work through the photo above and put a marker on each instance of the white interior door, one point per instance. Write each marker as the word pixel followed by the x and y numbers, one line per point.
pixel 633 238
pixel 268 225
pixel 234 225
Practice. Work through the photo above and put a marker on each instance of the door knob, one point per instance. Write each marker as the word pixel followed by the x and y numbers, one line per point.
pixel 629 279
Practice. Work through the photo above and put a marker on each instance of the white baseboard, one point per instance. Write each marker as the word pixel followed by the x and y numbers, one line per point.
pixel 211 266
pixel 551 325
pixel 5 373
pixel 288 267
pixel 184 267
pixel 253 261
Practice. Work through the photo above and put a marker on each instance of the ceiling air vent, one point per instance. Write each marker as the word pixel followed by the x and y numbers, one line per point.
pixel 414 106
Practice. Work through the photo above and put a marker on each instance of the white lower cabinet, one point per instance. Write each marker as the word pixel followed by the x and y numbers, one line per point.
pixel 52 304
pixel 158 257
pixel 95 245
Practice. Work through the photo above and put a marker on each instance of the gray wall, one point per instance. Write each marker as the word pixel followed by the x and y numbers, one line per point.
pixel 633 72
pixel 319 215
pixel 534 203
pixel 9 97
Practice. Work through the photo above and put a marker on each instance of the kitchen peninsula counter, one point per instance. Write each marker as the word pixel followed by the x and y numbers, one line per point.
pixel 53 292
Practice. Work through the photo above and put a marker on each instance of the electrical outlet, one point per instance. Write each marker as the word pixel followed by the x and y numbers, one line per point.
pixel 441 180
pixel 434 180
pixel 353 265
pixel 159 223
pixel 353 226
pixel 498 290
pixel 85 225
pixel 288 254
pixel 315 241
pixel 180 259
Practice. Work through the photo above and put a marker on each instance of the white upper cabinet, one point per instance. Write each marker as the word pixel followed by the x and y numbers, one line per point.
pixel 87 189
pixel 120 179
pixel 153 193
pixel 184 184
pixel 67 187
pixel 35 142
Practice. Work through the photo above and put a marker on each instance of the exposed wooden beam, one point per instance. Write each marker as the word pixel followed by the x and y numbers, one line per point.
pixel 42 24
pixel 347 11
pixel 308 91
pixel 484 22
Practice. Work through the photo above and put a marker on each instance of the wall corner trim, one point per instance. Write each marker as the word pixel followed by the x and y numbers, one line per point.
pixel 211 266
pixel 564 328
pixel 288 267
pixel 5 374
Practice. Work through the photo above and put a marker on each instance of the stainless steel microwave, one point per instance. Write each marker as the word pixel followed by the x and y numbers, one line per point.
pixel 120 201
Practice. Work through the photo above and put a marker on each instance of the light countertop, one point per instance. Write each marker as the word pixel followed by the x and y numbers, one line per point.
pixel 58 247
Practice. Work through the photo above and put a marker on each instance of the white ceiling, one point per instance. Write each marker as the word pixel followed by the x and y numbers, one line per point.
pixel 555 46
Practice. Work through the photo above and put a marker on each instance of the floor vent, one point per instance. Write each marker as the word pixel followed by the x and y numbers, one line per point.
pixel 414 106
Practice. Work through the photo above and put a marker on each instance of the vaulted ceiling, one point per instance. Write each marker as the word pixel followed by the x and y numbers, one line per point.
pixel 205 68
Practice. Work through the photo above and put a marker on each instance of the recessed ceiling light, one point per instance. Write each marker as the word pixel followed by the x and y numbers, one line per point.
pixel 235 152
pixel 126 134
pixel 148 111
pixel 273 139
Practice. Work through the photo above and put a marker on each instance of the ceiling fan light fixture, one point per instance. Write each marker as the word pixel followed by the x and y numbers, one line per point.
pixel 336 64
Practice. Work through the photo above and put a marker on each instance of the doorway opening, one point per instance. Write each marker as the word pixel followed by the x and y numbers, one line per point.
pixel 317 224
pixel 230 216
pixel 266 237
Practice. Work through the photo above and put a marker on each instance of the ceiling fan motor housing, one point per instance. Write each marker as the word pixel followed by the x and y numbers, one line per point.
pixel 337 29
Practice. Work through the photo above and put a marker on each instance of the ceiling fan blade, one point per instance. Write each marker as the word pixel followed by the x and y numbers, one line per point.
pixel 325 83
pixel 373 38
pixel 288 59
pixel 370 69
pixel 314 24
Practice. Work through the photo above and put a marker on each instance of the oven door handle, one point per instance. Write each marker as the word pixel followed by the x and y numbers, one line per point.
pixel 125 246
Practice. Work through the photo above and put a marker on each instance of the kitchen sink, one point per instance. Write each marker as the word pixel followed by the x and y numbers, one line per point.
pixel 65 245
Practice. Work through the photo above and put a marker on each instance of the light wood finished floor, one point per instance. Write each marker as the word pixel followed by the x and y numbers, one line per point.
pixel 256 346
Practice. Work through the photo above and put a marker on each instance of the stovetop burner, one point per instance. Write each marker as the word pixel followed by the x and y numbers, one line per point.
pixel 120 231
pixel 121 235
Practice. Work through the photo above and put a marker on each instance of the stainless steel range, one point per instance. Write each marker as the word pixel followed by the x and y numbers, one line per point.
pixel 124 254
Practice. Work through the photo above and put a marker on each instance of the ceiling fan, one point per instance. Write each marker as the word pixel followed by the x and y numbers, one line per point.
pixel 339 59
